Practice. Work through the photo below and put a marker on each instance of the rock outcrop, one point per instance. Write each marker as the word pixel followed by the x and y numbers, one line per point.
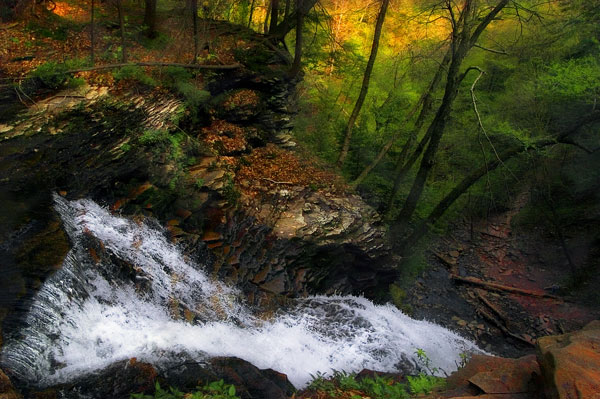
pixel 490 377
pixel 566 367
pixel 121 379
pixel 570 363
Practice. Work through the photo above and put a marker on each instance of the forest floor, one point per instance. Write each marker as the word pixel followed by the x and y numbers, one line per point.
pixel 493 251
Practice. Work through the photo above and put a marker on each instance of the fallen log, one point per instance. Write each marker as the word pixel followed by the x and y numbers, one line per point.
pixel 156 64
pixel 451 263
pixel 506 288
pixel 484 313
pixel 490 305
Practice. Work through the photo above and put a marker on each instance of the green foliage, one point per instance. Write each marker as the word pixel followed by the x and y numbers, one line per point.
pixel 230 192
pixel 255 58
pixel 321 383
pixel 214 390
pixel 156 43
pixel 399 299
pixel 194 97
pixel 52 26
pixel 424 384
pixel 54 74
pixel 199 183
pixel 152 136
pixel 174 74
pixel 383 388
pixel 181 80
pixel 132 72
pixel 411 267
pixel 376 387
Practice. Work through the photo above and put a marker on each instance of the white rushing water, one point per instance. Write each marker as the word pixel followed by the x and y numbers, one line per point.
pixel 92 313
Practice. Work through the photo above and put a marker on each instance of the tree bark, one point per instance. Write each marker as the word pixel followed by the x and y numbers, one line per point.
pixel 150 18
pixel 365 84
pixel 122 30
pixel 92 34
pixel 288 4
pixel 289 23
pixel 501 287
pixel 156 64
pixel 266 24
pixel 251 14
pixel 194 13
pixel 274 14
pixel 296 65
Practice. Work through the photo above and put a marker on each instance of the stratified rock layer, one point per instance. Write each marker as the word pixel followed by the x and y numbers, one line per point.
pixel 570 363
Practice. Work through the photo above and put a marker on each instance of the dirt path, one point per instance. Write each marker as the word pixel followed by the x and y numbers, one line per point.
pixel 490 250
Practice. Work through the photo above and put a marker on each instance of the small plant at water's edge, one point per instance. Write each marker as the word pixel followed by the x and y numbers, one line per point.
pixel 214 390
pixel 347 385
pixel 424 384
pixel 343 384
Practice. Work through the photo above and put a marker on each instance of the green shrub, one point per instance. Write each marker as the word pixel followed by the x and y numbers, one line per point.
pixel 176 74
pixel 377 387
pixel 230 192
pixel 135 73
pixel 424 384
pixel 153 136
pixel 54 74
pixel 399 299
pixel 194 97
pixel 214 390
pixel 157 43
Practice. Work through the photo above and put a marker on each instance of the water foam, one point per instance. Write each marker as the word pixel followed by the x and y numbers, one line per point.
pixel 90 314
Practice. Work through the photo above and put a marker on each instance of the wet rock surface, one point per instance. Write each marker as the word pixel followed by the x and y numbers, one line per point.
pixel 570 363
pixel 121 379
pixel 495 377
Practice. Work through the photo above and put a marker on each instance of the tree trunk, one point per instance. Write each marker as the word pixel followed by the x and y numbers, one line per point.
pixel 365 85
pixel 477 174
pixel 289 23
pixel 150 18
pixel 274 14
pixel 426 102
pixel 462 42
pixel 92 34
pixel 288 4
pixel 122 29
pixel 194 13
pixel 296 65
pixel 251 13
pixel 266 24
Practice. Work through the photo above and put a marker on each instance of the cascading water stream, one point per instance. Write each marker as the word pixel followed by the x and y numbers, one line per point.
pixel 96 310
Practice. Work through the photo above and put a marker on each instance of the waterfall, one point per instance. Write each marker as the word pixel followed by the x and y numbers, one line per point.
pixel 128 302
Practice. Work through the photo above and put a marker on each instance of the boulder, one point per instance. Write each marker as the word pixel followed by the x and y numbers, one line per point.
pixel 123 378
pixel 495 377
pixel 118 380
pixel 570 363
